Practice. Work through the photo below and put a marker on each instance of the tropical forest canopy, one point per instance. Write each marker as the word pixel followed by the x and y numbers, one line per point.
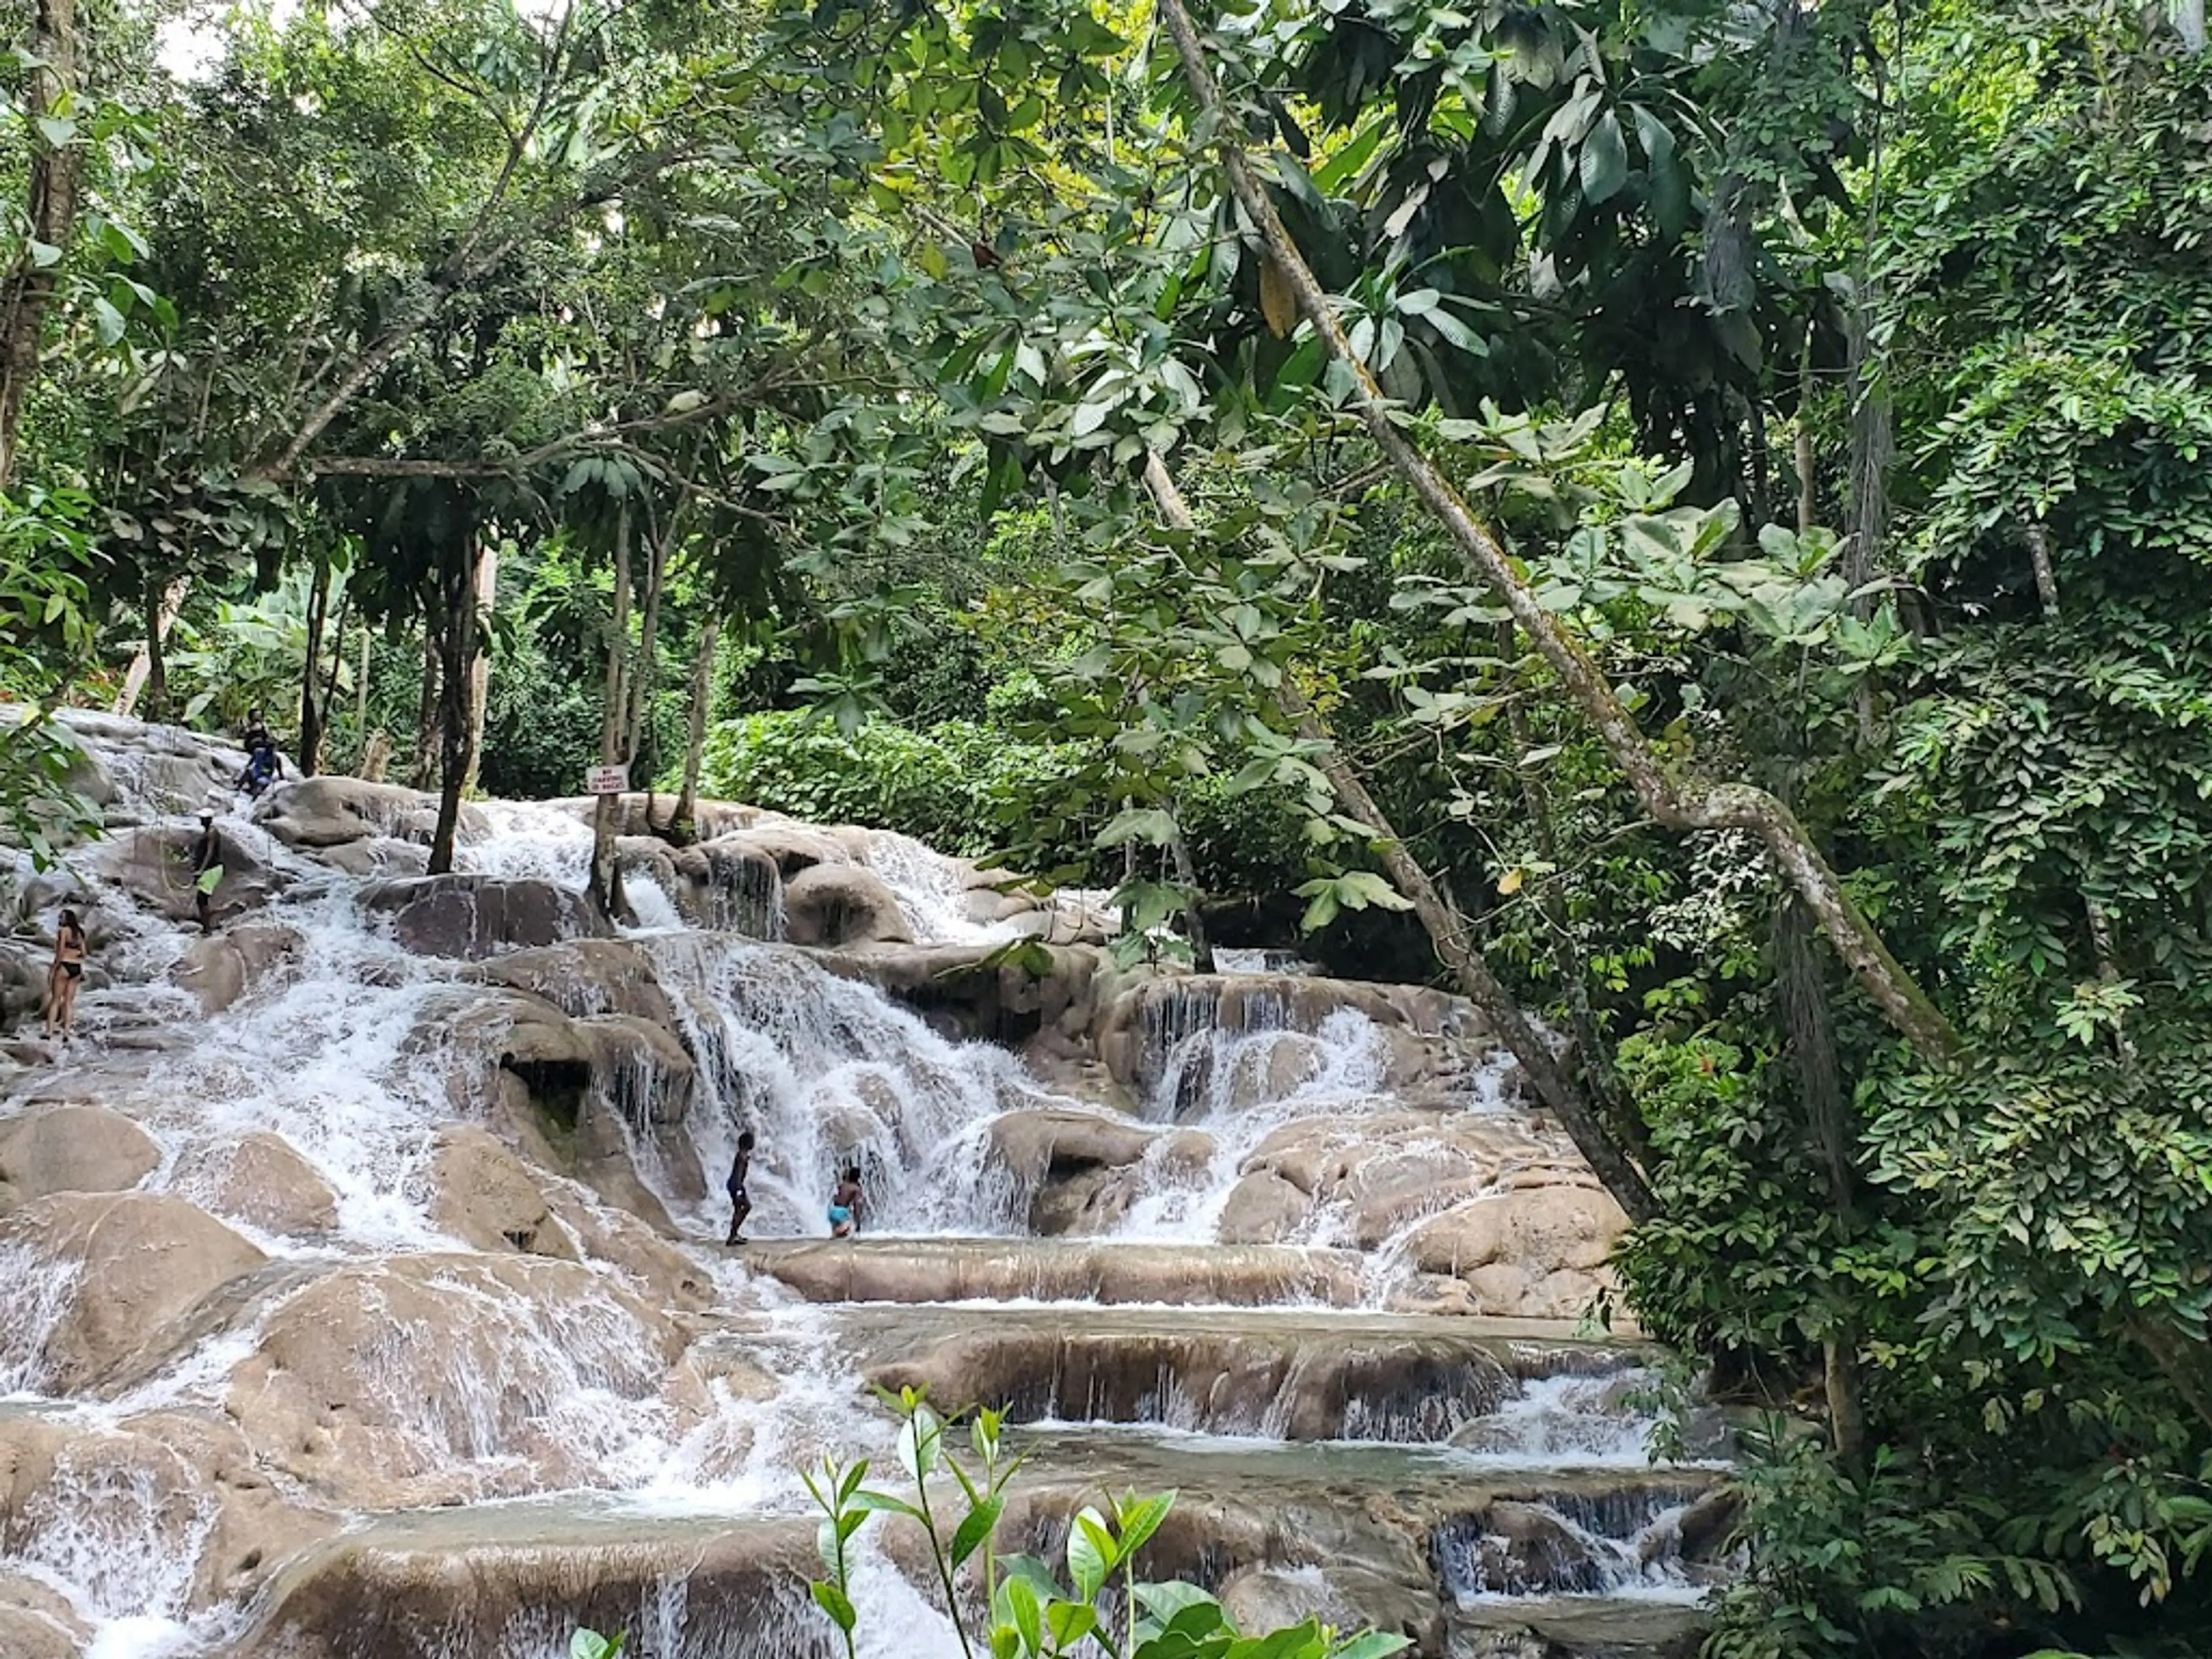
pixel 1689 523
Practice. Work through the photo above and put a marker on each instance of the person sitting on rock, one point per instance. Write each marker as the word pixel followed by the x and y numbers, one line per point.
pixel 207 854
pixel 741 1204
pixel 844 1204
pixel 64 977
pixel 262 763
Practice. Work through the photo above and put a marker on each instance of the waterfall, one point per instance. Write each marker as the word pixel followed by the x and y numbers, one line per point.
pixel 457 1342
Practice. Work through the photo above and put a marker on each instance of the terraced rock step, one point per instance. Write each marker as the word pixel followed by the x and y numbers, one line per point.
pixel 1058 1270
pixel 1576 1627
pixel 489 1581
pixel 1295 1374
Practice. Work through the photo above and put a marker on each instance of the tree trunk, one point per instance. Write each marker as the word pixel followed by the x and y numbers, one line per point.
pixel 1186 873
pixel 685 828
pixel 163 617
pixel 2189 24
pixel 338 664
pixel 1807 508
pixel 1674 801
pixel 644 675
pixel 1447 929
pixel 310 711
pixel 2046 578
pixel 1600 1077
pixel 459 652
pixel 28 293
pixel 606 818
pixel 426 717
pixel 360 687
pixel 486 589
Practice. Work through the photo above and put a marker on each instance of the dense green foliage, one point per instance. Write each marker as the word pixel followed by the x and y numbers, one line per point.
pixel 812 357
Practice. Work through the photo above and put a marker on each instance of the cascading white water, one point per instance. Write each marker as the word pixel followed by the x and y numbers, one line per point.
pixel 347 1052
pixel 826 1072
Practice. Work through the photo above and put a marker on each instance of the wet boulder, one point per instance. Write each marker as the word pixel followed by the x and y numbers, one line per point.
pixel 1538 1252
pixel 219 968
pixel 327 811
pixel 263 1181
pixel 431 1379
pixel 830 904
pixel 485 1196
pixel 585 976
pixel 474 916
pixel 72 1148
pixel 38 1622
pixel 153 865
pixel 125 1266
pixel 1263 1208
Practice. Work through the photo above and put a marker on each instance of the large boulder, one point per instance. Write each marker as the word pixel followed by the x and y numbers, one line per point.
pixel 263 1181
pixel 38 1622
pixel 431 1379
pixel 220 968
pixel 160 769
pixel 153 865
pixel 1537 1252
pixel 329 812
pixel 1428 1040
pixel 551 1084
pixel 583 978
pixel 1263 1208
pixel 126 1266
pixel 484 1195
pixel 476 916
pixel 72 1149
pixel 831 904
pixel 177 1492
pixel 1079 1172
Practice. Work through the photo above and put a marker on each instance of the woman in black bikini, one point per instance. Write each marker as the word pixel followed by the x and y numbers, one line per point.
pixel 67 973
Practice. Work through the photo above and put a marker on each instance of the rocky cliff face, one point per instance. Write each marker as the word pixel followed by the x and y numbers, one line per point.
pixel 401 1193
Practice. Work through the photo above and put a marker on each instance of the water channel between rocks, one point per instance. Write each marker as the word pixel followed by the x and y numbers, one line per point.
pixel 362 1294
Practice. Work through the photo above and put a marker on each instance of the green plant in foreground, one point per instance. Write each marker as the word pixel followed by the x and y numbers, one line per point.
pixel 589 1644
pixel 1027 1612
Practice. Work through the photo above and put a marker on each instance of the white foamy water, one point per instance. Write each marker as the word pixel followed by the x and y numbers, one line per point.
pixel 354 1055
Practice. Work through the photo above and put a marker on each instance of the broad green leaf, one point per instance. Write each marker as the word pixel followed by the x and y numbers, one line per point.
pixel 834 1602
pixel 1604 160
pixel 975 1532
pixel 1089 1552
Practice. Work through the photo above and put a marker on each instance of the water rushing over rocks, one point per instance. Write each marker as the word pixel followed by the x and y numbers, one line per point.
pixel 362 1295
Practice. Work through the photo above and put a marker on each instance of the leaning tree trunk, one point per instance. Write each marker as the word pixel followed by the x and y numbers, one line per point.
pixel 28 295
pixel 606 817
pixel 1185 874
pixel 644 676
pixel 1447 930
pixel 157 661
pixel 458 654
pixel 685 828
pixel 486 591
pixel 161 617
pixel 311 707
pixel 1677 802
pixel 425 767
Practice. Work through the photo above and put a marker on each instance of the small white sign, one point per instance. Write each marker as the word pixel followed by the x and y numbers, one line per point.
pixel 606 780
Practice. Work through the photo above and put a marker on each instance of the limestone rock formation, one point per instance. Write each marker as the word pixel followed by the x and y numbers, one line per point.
pixel 130 1263
pixel 72 1149
pixel 220 968
pixel 473 917
pixel 836 905
pixel 428 1379
pixel 263 1183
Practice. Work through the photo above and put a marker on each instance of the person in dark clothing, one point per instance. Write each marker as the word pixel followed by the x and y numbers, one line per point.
pixel 207 854
pixel 263 764
pixel 66 974
pixel 741 1203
